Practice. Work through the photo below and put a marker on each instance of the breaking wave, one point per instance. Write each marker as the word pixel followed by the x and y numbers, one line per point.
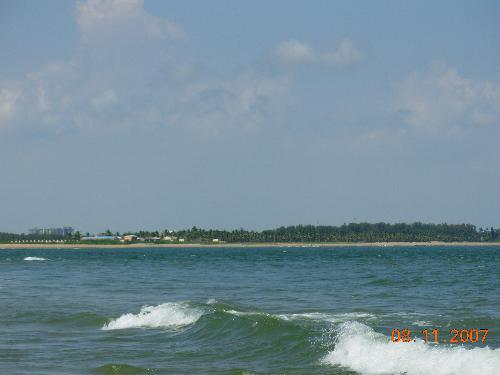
pixel 343 340
pixel 35 259
pixel 360 348
pixel 167 315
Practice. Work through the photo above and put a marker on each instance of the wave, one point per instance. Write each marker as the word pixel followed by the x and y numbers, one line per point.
pixel 249 313
pixel 172 314
pixel 360 348
pixel 309 316
pixel 35 259
pixel 326 339
pixel 167 315
pixel 330 318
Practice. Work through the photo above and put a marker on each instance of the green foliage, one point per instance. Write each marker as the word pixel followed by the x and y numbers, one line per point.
pixel 354 232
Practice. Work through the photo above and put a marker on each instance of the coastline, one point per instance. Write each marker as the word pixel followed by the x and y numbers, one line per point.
pixel 12 246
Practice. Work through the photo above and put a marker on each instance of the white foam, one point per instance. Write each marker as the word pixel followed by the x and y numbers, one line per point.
pixel 246 313
pixel 166 315
pixel 331 318
pixel 361 349
pixel 422 323
pixel 313 316
pixel 35 259
pixel 307 316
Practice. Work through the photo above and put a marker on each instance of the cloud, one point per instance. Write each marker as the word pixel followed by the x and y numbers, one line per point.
pixel 8 98
pixel 293 52
pixel 94 16
pixel 243 103
pixel 442 100
pixel 345 54
pixel 129 73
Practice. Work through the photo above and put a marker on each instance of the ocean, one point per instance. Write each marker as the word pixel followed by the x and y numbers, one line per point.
pixel 280 310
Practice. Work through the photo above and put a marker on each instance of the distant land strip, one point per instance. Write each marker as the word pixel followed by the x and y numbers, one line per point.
pixel 353 234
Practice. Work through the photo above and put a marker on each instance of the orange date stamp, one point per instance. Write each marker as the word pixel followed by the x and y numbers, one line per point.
pixel 457 336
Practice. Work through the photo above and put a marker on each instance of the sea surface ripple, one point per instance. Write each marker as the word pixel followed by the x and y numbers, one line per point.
pixel 247 311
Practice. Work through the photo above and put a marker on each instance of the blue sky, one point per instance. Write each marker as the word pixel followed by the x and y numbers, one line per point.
pixel 168 114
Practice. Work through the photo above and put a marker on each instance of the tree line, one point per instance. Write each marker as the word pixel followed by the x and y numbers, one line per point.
pixel 354 232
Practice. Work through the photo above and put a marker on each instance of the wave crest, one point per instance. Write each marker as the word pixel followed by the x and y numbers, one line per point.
pixel 360 348
pixel 35 259
pixel 326 317
pixel 166 315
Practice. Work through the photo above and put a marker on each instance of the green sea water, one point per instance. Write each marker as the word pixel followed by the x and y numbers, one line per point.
pixel 310 310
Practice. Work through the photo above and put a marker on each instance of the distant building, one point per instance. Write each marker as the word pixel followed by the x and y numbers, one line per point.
pixel 99 237
pixel 64 231
pixel 130 238
pixel 169 238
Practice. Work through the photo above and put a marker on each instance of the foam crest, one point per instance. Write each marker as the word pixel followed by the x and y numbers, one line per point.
pixel 361 349
pixel 35 259
pixel 331 318
pixel 166 315
pixel 247 313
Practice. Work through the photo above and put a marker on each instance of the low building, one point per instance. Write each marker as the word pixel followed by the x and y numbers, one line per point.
pixel 130 238
pixel 100 238
pixel 170 238
pixel 63 231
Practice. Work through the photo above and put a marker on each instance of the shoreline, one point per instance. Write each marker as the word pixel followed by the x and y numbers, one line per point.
pixel 12 246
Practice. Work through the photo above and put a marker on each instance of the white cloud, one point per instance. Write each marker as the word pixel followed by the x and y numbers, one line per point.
pixel 441 99
pixel 8 98
pixel 95 15
pixel 237 105
pixel 345 54
pixel 127 74
pixel 294 53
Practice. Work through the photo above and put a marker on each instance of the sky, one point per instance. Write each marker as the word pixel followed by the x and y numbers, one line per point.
pixel 130 114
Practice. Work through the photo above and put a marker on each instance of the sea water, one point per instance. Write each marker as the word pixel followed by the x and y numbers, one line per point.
pixel 280 310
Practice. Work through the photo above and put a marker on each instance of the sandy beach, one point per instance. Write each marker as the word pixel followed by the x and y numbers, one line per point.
pixel 10 246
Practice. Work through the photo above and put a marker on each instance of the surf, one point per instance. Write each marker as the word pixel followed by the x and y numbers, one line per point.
pixel 358 347
pixel 35 259
pixel 171 315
